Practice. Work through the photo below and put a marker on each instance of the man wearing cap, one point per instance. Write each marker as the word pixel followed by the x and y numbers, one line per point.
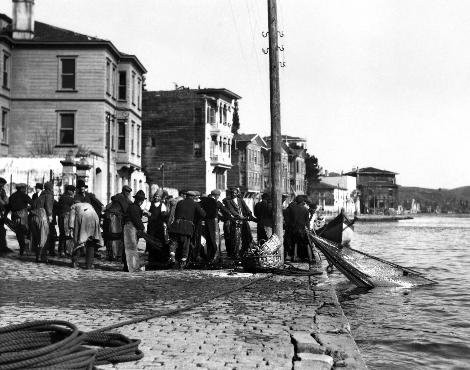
pixel 214 210
pixel 63 211
pixel 240 231
pixel 132 227
pixel 18 205
pixel 113 223
pixel 3 204
pixel 82 196
pixel 40 219
pixel 182 228
pixel 158 228
pixel 37 190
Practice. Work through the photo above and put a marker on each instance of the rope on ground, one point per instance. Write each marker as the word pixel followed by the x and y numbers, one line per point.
pixel 56 344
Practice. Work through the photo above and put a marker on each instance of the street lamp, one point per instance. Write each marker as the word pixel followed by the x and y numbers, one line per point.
pixel 162 168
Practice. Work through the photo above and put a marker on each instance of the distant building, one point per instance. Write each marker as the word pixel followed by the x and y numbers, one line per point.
pixel 187 137
pixel 330 197
pixel 347 196
pixel 247 163
pixel 62 91
pixel 295 148
pixel 378 189
pixel 285 179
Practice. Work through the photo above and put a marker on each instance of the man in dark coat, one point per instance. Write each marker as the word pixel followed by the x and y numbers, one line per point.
pixel 182 228
pixel 37 190
pixel 83 196
pixel 240 231
pixel 63 212
pixel 40 220
pixel 18 205
pixel 297 219
pixel 113 223
pixel 264 213
pixel 132 227
pixel 158 229
pixel 3 204
pixel 214 211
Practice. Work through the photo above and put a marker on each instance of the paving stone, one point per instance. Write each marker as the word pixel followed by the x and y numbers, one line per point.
pixel 313 361
pixel 304 342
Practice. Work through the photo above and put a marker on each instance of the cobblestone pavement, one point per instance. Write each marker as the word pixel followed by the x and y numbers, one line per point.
pixel 249 328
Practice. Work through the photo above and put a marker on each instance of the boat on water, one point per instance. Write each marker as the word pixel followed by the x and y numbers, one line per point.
pixel 339 230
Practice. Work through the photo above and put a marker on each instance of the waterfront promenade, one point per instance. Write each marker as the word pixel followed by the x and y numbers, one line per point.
pixel 278 322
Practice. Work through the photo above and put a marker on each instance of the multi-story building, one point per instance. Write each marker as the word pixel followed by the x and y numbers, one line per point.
pixel 346 195
pixel 285 179
pixel 187 135
pixel 62 91
pixel 247 165
pixel 378 189
pixel 295 148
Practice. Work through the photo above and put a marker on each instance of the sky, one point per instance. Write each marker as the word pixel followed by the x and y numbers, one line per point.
pixel 367 82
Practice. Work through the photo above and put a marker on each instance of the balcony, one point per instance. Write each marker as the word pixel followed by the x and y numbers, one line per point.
pixel 218 160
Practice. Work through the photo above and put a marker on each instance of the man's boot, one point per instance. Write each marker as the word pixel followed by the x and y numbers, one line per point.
pixel 89 255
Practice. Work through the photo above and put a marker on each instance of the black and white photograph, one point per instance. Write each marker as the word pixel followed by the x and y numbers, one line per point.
pixel 235 184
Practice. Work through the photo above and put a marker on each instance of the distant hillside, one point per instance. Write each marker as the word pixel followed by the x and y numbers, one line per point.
pixel 446 200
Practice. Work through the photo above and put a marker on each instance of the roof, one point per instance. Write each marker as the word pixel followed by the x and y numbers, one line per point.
pixel 370 171
pixel 218 91
pixel 244 137
pixel 46 34
pixel 324 186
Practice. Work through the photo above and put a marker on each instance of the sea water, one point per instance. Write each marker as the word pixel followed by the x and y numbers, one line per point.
pixel 422 327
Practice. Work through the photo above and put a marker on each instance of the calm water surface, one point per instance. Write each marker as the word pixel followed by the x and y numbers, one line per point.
pixel 422 327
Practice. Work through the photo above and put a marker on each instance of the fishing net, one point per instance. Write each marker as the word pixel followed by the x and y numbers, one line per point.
pixel 365 270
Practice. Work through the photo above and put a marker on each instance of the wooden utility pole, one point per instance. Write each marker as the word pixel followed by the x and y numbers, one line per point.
pixel 276 138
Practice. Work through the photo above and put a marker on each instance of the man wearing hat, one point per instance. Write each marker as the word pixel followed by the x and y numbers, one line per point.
pixel 40 219
pixel 214 211
pixel 182 228
pixel 18 205
pixel 113 223
pixel 37 190
pixel 297 220
pixel 63 211
pixel 158 228
pixel 82 196
pixel 132 226
pixel 240 231
pixel 3 204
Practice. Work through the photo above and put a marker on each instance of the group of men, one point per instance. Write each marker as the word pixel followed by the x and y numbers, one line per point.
pixel 179 230
pixel 76 213
pixel 187 227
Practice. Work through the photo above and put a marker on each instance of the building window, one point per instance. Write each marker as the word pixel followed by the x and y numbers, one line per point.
pixel 67 128
pixel 108 77
pixel 139 90
pixel 154 142
pixel 132 136
pixel 4 137
pixel 6 69
pixel 220 180
pixel 113 133
pixel 122 85
pixel 67 73
pixel 122 135
pixel 138 140
pixel 114 82
pixel 197 147
pixel 133 88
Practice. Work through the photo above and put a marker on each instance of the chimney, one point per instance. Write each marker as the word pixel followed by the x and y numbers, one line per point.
pixel 23 19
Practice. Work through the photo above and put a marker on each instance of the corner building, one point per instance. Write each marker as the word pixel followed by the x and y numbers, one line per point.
pixel 64 92
pixel 187 135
